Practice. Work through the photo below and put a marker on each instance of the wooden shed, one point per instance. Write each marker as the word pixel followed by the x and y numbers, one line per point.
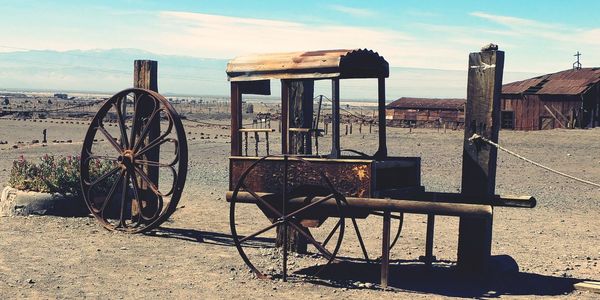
pixel 426 112
pixel 566 99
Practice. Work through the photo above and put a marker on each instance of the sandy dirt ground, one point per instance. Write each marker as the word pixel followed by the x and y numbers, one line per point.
pixel 192 255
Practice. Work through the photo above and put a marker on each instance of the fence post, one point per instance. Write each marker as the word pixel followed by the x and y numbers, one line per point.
pixel 482 116
pixel 145 75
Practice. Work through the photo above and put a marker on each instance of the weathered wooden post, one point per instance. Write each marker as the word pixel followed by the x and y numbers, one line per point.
pixel 145 75
pixel 298 95
pixel 482 116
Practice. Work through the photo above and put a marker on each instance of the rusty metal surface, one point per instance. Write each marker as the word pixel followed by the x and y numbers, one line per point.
pixel 428 103
pixel 350 177
pixel 341 63
pixel 569 82
pixel 287 216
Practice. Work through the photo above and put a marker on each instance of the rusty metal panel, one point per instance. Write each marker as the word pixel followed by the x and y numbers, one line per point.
pixel 350 177
pixel 569 82
pixel 342 63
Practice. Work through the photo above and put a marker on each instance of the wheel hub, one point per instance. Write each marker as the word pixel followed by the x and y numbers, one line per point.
pixel 126 159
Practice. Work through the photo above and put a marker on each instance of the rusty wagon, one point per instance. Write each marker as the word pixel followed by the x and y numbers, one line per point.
pixel 304 196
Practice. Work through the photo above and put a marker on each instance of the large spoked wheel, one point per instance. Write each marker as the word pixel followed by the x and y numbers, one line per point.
pixel 397 221
pixel 397 218
pixel 134 161
pixel 305 201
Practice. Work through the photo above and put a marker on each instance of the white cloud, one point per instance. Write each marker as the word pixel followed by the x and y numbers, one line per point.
pixel 217 36
pixel 353 11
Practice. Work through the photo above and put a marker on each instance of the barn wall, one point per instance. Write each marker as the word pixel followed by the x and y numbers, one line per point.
pixel 530 110
pixel 424 117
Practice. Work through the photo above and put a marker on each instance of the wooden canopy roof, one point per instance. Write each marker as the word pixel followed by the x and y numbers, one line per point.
pixel 323 64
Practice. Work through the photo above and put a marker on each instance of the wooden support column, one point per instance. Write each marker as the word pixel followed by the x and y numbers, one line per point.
pixel 300 101
pixel 145 76
pixel 284 116
pixel 236 119
pixel 385 249
pixel 382 151
pixel 297 111
pixel 482 116
pixel 335 119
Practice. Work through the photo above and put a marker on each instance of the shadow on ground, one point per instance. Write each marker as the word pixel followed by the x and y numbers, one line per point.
pixel 445 280
pixel 207 237
pixel 442 278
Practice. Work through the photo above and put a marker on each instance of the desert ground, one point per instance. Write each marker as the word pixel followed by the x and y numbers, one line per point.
pixel 192 254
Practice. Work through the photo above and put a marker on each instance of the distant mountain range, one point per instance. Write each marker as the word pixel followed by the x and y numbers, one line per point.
pixel 108 71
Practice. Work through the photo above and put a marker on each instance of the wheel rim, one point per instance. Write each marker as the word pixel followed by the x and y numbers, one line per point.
pixel 329 236
pixel 124 183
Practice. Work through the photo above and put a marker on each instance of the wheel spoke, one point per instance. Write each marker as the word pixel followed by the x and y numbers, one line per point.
pixel 360 240
pixel 138 202
pixel 330 235
pixel 263 201
pixel 400 224
pixel 151 163
pixel 146 129
pixel 147 180
pixel 310 238
pixel 101 178
pixel 121 120
pixel 134 123
pixel 109 196
pixel 140 140
pixel 296 212
pixel 136 191
pixel 261 231
pixel 110 138
pixel 156 142
pixel 123 200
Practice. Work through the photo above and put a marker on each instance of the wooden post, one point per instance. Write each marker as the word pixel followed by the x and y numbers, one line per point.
pixel 145 76
pixel 335 118
pixel 385 249
pixel 236 119
pixel 382 151
pixel 300 99
pixel 482 116
pixel 297 103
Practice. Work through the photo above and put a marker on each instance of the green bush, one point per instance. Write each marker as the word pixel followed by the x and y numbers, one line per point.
pixel 57 174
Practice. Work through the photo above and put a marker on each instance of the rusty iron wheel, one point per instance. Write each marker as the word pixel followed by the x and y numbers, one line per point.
pixel 326 240
pixel 134 161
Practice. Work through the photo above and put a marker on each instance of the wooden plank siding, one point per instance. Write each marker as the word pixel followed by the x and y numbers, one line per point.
pixel 529 110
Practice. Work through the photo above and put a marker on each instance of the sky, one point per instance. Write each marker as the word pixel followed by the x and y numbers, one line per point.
pixel 537 36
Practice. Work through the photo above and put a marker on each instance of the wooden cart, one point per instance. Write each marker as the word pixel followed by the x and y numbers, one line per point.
pixel 299 190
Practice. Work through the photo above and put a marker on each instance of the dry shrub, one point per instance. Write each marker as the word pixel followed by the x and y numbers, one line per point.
pixel 56 174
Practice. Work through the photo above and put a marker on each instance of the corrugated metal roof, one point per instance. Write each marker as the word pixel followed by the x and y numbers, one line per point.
pixel 428 103
pixel 343 63
pixel 569 82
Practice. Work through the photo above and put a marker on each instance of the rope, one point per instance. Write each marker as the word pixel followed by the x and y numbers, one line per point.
pixel 478 137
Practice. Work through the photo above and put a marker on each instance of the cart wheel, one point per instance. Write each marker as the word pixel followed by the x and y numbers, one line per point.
pixel 256 243
pixel 399 217
pixel 135 141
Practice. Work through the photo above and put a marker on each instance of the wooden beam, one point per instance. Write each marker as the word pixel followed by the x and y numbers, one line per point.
pixel 335 119
pixel 300 99
pixel 284 116
pixel 382 151
pixel 482 116
pixel 236 119
pixel 554 116
pixel 145 76
pixel 590 286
